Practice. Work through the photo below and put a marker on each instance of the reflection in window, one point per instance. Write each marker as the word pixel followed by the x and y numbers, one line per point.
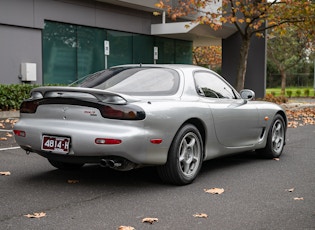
pixel 59 53
pixel 210 85
pixel 136 81
pixel 73 51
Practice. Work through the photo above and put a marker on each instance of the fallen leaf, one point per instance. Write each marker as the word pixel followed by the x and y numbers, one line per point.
pixel 126 228
pixel 9 135
pixel 298 198
pixel 73 181
pixel 2 125
pixel 290 190
pixel 300 117
pixel 5 173
pixel 36 215
pixel 276 159
pixel 200 215
pixel 3 138
pixel 214 190
pixel 155 13
pixel 150 220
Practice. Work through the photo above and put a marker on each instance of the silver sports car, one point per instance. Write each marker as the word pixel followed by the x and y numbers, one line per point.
pixel 173 117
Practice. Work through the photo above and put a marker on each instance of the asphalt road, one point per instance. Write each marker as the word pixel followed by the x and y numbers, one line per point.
pixel 257 193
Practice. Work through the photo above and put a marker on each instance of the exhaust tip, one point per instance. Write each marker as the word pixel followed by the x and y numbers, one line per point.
pixel 118 164
pixel 104 163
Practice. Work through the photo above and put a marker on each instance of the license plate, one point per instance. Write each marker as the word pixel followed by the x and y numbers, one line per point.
pixel 56 144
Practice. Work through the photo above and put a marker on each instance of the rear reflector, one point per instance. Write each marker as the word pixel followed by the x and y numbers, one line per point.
pixel 156 141
pixel 19 133
pixel 107 141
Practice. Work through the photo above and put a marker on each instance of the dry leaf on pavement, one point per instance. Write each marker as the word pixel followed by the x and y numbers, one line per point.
pixel 298 198
pixel 9 135
pixel 200 215
pixel 301 117
pixel 3 138
pixel 5 173
pixel 276 159
pixel 214 190
pixel 73 181
pixel 36 215
pixel 150 220
pixel 126 228
pixel 290 190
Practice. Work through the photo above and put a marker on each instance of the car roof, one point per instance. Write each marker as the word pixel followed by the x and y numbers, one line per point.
pixel 172 66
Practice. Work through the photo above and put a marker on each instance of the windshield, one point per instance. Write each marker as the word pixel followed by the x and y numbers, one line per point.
pixel 141 81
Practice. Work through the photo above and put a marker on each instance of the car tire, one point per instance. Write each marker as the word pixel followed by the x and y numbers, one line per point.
pixel 65 166
pixel 185 157
pixel 276 138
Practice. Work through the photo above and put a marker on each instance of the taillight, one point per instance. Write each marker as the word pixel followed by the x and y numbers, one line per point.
pixel 29 106
pixel 156 141
pixel 107 141
pixel 122 112
pixel 19 133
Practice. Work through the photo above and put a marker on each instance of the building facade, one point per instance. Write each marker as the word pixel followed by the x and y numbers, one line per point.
pixel 60 41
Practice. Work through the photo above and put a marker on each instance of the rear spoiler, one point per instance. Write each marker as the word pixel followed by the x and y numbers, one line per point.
pixel 80 92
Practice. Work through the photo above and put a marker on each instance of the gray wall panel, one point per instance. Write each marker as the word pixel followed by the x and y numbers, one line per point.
pixel 256 66
pixel 136 22
pixel 19 45
pixel 15 12
pixel 63 12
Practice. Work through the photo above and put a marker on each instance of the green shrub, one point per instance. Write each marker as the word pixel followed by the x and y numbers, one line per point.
pixel 289 93
pixel 11 96
pixel 306 92
pixel 273 93
pixel 298 93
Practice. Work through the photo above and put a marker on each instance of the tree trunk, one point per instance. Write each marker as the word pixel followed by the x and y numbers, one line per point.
pixel 283 81
pixel 240 80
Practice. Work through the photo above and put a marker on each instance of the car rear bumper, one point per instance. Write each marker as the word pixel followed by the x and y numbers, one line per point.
pixel 135 143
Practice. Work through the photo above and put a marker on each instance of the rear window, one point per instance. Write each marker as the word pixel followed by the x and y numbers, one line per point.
pixel 139 81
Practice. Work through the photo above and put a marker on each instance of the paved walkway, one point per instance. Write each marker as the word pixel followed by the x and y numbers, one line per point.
pixel 302 100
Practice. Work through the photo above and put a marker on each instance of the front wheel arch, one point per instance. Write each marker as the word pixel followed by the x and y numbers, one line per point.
pixel 276 138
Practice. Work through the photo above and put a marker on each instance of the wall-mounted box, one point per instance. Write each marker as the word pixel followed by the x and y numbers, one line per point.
pixel 28 71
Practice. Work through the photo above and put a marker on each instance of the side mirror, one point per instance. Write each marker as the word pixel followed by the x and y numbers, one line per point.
pixel 247 94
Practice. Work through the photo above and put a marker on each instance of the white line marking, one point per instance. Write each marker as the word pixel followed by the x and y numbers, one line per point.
pixel 3 149
pixel 6 130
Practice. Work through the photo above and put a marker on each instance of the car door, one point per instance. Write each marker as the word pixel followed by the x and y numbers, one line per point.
pixel 235 119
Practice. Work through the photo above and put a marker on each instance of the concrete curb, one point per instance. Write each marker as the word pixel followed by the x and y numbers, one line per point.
pixel 9 114
pixel 296 106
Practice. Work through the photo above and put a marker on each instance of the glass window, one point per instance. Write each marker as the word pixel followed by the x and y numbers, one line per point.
pixel 59 53
pixel 183 50
pixel 140 81
pixel 166 50
pixel 71 52
pixel 211 85
pixel 120 48
pixel 143 49
pixel 90 50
